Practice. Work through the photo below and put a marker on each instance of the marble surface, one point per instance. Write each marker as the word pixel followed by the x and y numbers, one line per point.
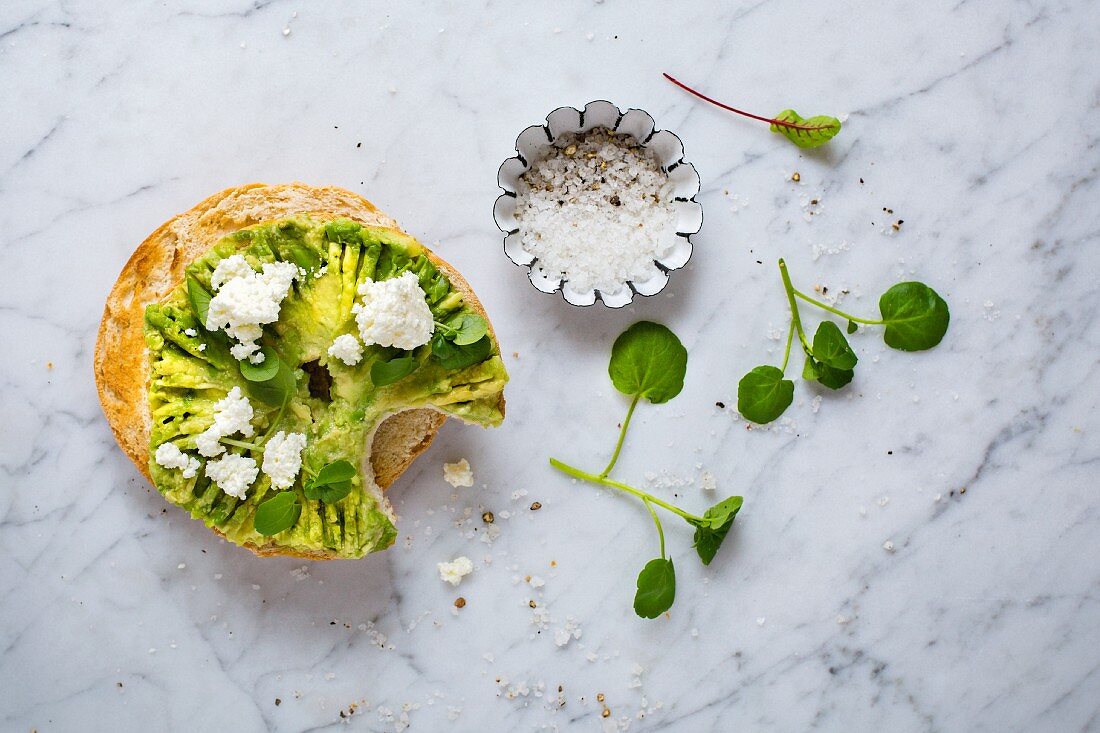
pixel 975 123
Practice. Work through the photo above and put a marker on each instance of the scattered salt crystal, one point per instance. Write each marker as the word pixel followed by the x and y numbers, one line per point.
pixel 888 546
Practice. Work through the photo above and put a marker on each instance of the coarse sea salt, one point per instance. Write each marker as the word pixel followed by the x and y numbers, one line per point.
pixel 596 212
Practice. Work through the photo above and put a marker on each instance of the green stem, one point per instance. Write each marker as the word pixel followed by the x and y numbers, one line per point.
pixel 794 306
pixel 241 444
pixel 837 311
pixel 622 434
pixel 585 476
pixel 787 351
pixel 657 521
pixel 274 424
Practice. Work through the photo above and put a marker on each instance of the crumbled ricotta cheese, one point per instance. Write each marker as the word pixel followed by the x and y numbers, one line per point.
pixel 283 458
pixel 169 455
pixel 228 269
pixel 707 481
pixel 233 474
pixel 347 349
pixel 231 415
pixel 245 300
pixel 453 572
pixel 458 473
pixel 190 332
pixel 394 313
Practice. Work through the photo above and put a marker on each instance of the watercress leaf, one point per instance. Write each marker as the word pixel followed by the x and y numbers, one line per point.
pixel 455 356
pixel 265 370
pixel 809 369
pixel 200 299
pixel 852 327
pixel 278 513
pixel 470 330
pixel 716 524
pixel 328 493
pixel 333 472
pixel 811 133
pixel 707 540
pixel 656 588
pixel 826 375
pixel 831 348
pixel 648 360
pixel 916 317
pixel 763 394
pixel 724 511
pixel 383 373
pixel 276 390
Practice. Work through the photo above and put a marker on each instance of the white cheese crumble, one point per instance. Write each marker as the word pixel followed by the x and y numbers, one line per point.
pixel 707 481
pixel 458 473
pixel 596 212
pixel 190 332
pixel 245 300
pixel 394 312
pixel 453 572
pixel 347 349
pixel 283 458
pixel 231 415
pixel 170 456
pixel 233 474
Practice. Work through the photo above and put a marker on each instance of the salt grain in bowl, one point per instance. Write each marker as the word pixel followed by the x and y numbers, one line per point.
pixel 596 212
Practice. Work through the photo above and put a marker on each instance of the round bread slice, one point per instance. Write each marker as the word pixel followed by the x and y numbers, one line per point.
pixel 121 362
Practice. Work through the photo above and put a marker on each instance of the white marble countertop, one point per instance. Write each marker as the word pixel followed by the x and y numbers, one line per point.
pixel 976 123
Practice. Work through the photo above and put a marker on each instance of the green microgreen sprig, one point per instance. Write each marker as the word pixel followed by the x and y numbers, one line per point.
pixel 648 361
pixel 915 319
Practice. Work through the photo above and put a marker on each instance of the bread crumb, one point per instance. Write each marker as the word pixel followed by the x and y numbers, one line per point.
pixel 458 473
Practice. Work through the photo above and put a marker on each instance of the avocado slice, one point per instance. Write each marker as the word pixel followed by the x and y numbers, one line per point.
pixel 337 406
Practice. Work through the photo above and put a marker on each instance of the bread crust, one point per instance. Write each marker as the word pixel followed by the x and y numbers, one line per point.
pixel 158 265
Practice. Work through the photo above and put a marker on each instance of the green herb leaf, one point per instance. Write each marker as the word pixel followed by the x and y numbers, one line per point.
pixel 328 493
pixel 277 514
pixel 383 373
pixel 852 327
pixel 200 299
pixel 332 483
pixel 804 133
pixel 336 471
pixel 724 511
pixel 916 317
pixel 656 588
pixel 710 535
pixel 277 390
pixel 763 394
pixel 455 356
pixel 831 348
pixel 648 360
pixel 265 370
pixel 469 329
pixel 826 375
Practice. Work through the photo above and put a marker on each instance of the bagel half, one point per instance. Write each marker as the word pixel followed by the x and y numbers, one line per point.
pixel 157 267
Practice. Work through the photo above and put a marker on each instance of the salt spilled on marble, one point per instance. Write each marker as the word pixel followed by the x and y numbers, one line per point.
pixel 597 212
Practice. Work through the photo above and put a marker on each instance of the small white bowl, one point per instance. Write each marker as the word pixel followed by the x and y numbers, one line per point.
pixel 532 144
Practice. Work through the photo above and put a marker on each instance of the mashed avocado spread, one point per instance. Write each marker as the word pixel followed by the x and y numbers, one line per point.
pixel 337 407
